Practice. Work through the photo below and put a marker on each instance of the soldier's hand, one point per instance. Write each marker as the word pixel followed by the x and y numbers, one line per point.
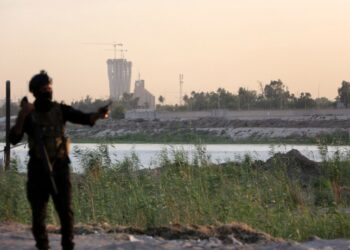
pixel 26 107
pixel 103 112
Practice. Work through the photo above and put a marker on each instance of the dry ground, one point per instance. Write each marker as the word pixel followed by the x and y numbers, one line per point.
pixel 232 236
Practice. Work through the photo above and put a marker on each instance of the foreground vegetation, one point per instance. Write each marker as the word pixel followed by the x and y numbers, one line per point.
pixel 192 190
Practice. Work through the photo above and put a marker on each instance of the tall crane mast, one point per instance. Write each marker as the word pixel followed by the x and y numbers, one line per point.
pixel 122 53
pixel 115 48
pixel 181 81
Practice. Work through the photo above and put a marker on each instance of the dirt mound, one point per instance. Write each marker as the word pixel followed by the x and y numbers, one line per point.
pixel 228 233
pixel 297 165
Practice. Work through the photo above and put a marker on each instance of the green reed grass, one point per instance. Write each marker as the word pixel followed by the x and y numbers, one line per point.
pixel 192 190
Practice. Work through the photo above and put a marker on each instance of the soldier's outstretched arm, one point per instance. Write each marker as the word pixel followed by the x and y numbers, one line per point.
pixel 76 116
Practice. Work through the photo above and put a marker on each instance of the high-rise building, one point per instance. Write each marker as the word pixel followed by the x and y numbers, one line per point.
pixel 119 76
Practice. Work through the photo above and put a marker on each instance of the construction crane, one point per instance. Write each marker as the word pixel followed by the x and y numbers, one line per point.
pixel 122 53
pixel 114 44
pixel 115 48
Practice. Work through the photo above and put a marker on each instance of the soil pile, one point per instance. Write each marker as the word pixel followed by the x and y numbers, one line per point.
pixel 298 166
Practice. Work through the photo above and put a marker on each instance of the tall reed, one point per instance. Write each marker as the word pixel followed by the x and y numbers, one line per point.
pixel 190 189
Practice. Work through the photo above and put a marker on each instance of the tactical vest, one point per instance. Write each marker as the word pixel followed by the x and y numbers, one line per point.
pixel 52 126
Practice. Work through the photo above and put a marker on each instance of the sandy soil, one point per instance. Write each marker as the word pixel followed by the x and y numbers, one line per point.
pixel 18 236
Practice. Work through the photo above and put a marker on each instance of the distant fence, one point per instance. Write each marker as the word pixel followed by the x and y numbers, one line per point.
pixel 245 115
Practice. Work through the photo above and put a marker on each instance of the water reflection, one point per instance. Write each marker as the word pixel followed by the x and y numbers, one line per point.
pixel 149 154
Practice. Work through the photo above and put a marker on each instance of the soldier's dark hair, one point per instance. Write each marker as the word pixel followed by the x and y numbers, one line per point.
pixel 39 80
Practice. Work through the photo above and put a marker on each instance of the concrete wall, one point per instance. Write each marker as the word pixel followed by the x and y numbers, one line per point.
pixel 243 115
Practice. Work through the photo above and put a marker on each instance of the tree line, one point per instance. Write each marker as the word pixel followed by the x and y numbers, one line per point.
pixel 274 95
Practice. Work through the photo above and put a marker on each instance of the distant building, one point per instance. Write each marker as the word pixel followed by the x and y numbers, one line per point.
pixel 146 99
pixel 119 76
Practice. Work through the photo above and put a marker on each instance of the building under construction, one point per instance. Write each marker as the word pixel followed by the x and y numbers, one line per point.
pixel 119 76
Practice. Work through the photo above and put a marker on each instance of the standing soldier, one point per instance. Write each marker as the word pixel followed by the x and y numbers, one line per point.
pixel 48 166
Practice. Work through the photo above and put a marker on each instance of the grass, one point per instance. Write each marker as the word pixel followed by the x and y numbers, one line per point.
pixel 202 137
pixel 174 138
pixel 192 190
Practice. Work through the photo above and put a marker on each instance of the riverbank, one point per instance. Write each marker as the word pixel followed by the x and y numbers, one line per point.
pixel 329 127
pixel 250 136
pixel 311 130
pixel 148 155
pixel 286 196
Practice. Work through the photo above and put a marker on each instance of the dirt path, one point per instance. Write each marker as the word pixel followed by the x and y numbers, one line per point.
pixel 17 236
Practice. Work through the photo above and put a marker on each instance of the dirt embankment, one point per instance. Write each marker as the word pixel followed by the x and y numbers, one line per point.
pixel 234 130
pixel 240 126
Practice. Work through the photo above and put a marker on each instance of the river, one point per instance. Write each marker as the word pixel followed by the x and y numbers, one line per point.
pixel 148 154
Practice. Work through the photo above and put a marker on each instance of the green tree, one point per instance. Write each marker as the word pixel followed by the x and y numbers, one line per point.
pixel 276 94
pixel 117 111
pixel 199 100
pixel 247 98
pixel 305 101
pixel 226 99
pixel 161 99
pixel 344 93
pixel 128 101
pixel 323 102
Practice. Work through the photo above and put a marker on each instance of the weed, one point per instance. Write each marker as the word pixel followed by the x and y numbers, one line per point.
pixel 192 190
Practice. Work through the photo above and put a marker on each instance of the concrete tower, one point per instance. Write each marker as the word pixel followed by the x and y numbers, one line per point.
pixel 119 76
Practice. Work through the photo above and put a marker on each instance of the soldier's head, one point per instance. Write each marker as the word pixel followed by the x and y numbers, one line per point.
pixel 41 86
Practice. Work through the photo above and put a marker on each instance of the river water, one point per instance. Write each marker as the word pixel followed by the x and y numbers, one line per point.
pixel 149 154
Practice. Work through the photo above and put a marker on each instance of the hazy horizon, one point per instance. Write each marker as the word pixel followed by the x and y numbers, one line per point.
pixel 223 43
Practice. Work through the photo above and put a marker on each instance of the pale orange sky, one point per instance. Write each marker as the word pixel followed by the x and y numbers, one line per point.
pixel 214 43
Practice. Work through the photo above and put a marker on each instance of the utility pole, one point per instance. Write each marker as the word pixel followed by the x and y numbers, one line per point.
pixel 8 123
pixel 181 80
pixel 318 97
pixel 219 101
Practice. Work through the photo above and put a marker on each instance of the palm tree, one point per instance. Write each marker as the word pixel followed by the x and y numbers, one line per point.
pixel 161 99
